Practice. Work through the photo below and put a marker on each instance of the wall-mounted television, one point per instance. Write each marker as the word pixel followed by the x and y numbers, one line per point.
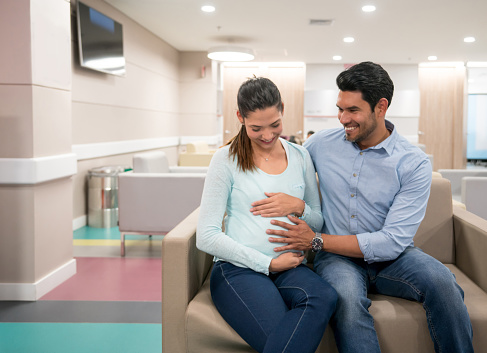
pixel 100 41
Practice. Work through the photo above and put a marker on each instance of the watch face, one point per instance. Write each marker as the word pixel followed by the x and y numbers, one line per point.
pixel 316 244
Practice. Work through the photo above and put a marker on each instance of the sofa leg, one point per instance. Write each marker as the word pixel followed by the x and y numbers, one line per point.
pixel 122 244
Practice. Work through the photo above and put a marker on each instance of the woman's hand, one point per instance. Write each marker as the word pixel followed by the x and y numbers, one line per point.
pixel 286 261
pixel 278 205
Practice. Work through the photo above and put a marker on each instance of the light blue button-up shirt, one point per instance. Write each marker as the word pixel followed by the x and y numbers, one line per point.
pixel 378 194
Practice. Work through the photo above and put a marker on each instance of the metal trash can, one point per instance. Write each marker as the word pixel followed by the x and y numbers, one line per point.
pixel 103 196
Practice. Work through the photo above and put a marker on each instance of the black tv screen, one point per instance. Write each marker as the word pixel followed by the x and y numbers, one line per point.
pixel 100 41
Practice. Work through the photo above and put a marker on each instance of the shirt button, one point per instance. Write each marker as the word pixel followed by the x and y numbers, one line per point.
pixel 352 195
pixel 361 153
pixel 354 174
pixel 353 216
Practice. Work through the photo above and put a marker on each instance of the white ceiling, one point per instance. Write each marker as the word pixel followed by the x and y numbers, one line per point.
pixel 398 32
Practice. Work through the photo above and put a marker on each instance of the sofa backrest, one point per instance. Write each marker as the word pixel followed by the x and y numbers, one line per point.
pixel 435 234
pixel 151 162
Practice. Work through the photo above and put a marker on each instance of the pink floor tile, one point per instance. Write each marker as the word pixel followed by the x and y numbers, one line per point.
pixel 112 279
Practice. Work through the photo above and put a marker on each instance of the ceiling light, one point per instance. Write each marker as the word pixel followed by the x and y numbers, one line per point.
pixel 208 8
pixel 349 39
pixel 337 57
pixel 469 39
pixel 432 58
pixel 230 53
pixel 368 8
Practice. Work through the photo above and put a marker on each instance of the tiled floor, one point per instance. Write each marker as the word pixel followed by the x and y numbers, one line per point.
pixel 111 304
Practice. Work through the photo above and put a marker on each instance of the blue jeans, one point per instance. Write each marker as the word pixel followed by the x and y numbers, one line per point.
pixel 283 312
pixel 414 275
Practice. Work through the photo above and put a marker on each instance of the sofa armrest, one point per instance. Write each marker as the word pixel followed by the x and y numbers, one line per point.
pixel 184 269
pixel 471 245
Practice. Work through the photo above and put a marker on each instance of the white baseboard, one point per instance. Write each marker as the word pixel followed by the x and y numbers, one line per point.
pixel 34 291
pixel 79 222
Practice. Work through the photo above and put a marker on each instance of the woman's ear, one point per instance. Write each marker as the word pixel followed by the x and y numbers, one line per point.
pixel 240 117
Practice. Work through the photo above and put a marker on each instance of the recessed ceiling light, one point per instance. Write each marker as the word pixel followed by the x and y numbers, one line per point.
pixel 337 57
pixel 469 39
pixel 432 58
pixel 349 39
pixel 208 8
pixel 368 8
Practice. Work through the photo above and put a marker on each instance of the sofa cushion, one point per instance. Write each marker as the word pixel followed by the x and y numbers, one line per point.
pixel 401 324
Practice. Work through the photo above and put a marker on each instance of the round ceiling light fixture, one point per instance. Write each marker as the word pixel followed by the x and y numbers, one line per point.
pixel 368 8
pixel 230 53
pixel 208 8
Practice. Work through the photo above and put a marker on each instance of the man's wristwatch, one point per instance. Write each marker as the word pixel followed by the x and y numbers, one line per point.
pixel 317 243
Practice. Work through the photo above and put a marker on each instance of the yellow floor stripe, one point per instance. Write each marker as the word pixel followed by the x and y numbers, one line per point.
pixel 111 242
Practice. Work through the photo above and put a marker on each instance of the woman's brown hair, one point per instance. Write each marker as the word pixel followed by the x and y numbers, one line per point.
pixel 257 93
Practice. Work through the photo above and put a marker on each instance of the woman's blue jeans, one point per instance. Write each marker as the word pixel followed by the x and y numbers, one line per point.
pixel 414 275
pixel 283 312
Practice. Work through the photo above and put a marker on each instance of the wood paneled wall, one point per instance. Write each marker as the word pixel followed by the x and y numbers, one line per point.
pixel 442 121
pixel 289 80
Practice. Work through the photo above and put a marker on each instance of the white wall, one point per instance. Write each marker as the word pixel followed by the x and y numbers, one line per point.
pixel 321 93
pixel 112 116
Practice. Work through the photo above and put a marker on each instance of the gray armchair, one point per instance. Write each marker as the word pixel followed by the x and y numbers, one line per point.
pixel 474 195
pixel 154 197
pixel 458 238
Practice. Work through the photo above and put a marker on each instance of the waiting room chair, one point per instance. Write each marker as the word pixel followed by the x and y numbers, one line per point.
pixel 455 176
pixel 197 154
pixel 154 197
pixel 474 195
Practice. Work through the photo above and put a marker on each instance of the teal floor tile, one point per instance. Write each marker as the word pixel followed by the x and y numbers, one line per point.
pixel 80 338
pixel 96 233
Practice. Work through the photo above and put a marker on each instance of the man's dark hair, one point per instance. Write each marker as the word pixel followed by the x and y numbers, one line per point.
pixel 368 78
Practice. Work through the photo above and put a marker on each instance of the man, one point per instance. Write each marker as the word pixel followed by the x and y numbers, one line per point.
pixel 375 188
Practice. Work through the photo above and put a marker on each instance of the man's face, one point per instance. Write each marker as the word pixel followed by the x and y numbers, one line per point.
pixel 359 121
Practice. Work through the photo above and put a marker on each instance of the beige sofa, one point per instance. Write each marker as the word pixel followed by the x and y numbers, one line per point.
pixel 191 323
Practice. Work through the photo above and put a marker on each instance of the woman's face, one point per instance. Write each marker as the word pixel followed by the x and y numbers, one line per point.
pixel 263 127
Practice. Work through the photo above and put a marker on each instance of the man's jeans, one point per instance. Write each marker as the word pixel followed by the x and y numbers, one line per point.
pixel 414 275
pixel 284 312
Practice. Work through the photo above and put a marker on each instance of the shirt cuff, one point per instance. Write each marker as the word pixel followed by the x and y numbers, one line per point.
pixel 263 267
pixel 365 247
pixel 305 212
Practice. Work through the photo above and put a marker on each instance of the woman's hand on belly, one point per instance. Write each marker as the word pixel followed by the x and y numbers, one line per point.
pixel 286 261
pixel 278 205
